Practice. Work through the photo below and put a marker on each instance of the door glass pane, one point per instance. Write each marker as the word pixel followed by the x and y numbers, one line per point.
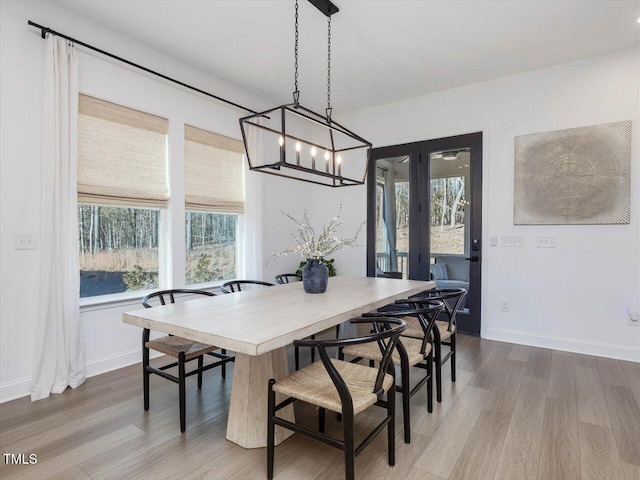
pixel 392 217
pixel 450 218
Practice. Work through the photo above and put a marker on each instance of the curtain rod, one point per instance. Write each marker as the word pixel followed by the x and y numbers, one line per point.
pixel 45 30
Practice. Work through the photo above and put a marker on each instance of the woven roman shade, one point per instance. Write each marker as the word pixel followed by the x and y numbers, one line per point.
pixel 122 155
pixel 213 172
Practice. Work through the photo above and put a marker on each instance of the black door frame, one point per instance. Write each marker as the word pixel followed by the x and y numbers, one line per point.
pixel 419 201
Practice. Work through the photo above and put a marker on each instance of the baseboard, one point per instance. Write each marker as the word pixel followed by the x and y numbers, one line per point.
pixel 22 387
pixel 598 349
pixel 15 389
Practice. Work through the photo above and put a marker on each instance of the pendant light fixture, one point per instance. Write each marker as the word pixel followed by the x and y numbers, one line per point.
pixel 294 142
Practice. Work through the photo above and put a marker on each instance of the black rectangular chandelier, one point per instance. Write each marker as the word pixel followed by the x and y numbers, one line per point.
pixel 294 142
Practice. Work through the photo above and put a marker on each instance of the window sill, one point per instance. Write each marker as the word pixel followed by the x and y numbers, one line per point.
pixel 103 302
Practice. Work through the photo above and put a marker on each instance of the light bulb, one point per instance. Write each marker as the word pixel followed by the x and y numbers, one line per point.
pixel 281 141
pixel 313 151
pixel 339 159
pixel 298 146
pixel 326 156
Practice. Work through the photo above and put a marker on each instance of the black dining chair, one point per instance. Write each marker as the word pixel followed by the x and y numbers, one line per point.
pixel 444 332
pixel 285 278
pixel 182 349
pixel 240 285
pixel 342 387
pixel 410 352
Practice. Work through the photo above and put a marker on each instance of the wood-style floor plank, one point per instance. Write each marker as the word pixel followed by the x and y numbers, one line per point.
pixel 481 452
pixel 419 474
pixel 560 453
pixel 585 360
pixel 58 464
pixel 427 424
pixel 592 407
pixel 598 453
pixel 632 375
pixel 562 378
pixel 625 418
pixel 504 393
pixel 453 433
pixel 611 372
pixel 539 363
pixel 519 456
pixel 631 472
pixel 520 353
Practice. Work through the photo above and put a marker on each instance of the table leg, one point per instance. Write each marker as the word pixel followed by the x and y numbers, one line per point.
pixel 247 424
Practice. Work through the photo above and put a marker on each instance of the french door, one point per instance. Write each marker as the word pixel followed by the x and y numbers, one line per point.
pixel 424 218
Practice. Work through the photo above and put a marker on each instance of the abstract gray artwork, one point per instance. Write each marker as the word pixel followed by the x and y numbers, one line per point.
pixel 578 176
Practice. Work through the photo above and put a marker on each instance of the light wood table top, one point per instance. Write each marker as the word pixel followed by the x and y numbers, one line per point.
pixel 261 320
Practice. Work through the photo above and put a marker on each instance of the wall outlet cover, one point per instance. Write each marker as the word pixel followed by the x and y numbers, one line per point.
pixel 546 242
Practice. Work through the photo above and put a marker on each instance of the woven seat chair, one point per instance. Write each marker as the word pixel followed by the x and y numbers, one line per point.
pixel 285 278
pixel 341 387
pixel 240 285
pixel 444 332
pixel 180 348
pixel 410 352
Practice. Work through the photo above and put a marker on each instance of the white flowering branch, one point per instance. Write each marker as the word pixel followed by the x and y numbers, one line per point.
pixel 306 244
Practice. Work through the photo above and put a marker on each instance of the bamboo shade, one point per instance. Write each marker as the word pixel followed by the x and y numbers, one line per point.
pixel 122 155
pixel 213 172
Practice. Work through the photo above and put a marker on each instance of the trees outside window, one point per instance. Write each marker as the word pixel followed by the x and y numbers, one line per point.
pixel 118 249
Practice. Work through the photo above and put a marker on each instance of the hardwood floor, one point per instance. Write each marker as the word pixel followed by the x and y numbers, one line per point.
pixel 515 412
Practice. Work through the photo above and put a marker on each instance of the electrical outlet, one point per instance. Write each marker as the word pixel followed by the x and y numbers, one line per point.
pixel 513 241
pixel 634 316
pixel 546 242
pixel 504 305
pixel 24 241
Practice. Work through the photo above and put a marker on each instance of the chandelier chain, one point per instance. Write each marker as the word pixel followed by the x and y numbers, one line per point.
pixel 329 66
pixel 296 92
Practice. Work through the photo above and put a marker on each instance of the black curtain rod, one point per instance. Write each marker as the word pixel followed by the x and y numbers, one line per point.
pixel 45 30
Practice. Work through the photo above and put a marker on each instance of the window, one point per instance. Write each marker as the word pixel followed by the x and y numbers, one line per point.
pixel 211 240
pixel 214 195
pixel 122 184
pixel 118 249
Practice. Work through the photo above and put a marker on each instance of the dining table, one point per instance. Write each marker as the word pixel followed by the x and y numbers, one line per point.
pixel 258 325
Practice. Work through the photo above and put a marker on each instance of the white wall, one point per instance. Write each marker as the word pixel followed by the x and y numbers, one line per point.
pixel 574 297
pixel 109 343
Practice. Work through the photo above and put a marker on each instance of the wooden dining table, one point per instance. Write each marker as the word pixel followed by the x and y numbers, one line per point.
pixel 258 325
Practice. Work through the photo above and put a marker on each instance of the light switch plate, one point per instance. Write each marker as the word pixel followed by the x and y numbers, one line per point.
pixel 513 241
pixel 494 241
pixel 24 241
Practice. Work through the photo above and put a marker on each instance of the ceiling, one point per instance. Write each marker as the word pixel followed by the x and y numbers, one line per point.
pixel 382 50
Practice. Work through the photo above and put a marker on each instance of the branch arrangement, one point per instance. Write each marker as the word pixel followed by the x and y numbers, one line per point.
pixel 306 244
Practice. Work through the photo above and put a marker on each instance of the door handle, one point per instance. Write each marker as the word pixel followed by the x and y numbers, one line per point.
pixel 474 258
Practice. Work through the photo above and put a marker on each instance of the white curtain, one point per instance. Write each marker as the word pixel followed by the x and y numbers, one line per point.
pixel 60 345
pixel 252 267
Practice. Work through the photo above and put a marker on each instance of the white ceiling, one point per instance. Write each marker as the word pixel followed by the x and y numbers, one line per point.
pixel 382 50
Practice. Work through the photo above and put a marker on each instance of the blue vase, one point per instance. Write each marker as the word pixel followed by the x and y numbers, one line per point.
pixel 315 276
